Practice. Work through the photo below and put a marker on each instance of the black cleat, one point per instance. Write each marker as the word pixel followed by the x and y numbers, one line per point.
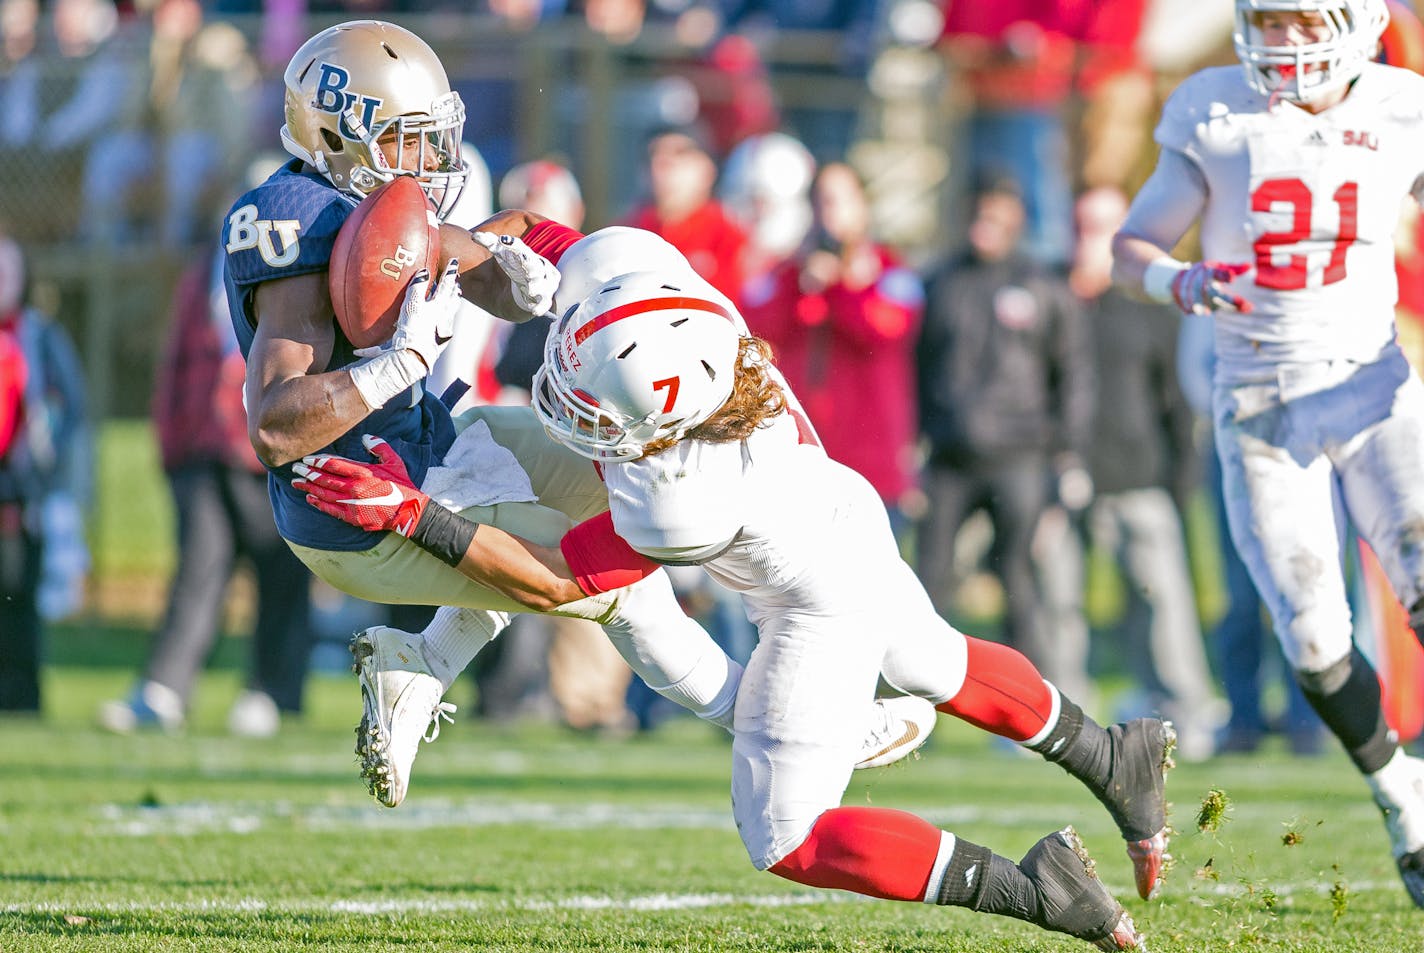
pixel 1135 795
pixel 1073 900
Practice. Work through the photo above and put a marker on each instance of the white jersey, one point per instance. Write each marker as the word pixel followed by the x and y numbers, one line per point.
pixel 770 517
pixel 1311 201
pixel 807 543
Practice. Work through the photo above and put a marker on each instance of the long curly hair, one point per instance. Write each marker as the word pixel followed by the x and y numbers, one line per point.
pixel 756 398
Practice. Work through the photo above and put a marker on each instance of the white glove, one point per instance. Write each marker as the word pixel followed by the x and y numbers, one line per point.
pixel 425 326
pixel 534 277
pixel 1198 287
pixel 426 322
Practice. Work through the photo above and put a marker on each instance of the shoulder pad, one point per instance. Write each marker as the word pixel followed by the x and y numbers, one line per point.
pixel 284 227
pixel 1202 97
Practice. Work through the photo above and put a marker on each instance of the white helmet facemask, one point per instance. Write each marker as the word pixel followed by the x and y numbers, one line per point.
pixel 1307 72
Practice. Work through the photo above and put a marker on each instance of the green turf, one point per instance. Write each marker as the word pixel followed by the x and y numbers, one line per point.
pixel 536 839
pixel 131 525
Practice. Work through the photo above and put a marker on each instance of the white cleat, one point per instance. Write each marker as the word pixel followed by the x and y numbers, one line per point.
pixel 401 706
pixel 149 705
pixel 898 726
pixel 1400 796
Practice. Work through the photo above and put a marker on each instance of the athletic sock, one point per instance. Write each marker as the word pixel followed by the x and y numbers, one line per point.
pixel 1347 697
pixel 869 850
pixel 455 636
pixel 1078 744
pixel 982 880
pixel 1002 692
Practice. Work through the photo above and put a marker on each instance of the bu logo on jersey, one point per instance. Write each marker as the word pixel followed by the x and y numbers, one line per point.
pixel 246 230
pixel 1362 138
pixel 332 96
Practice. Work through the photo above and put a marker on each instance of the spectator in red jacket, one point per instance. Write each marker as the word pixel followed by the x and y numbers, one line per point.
pixel 843 315
pixel 1018 69
pixel 681 175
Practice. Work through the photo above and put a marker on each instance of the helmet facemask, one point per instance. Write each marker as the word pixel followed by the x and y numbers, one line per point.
pixel 1309 72
pixel 425 146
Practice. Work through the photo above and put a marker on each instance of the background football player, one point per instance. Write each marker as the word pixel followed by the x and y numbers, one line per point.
pixel 1295 165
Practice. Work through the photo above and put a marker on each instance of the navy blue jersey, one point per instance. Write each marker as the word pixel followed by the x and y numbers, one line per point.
pixel 283 228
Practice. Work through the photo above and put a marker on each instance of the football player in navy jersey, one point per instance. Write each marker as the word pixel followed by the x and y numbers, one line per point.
pixel 366 101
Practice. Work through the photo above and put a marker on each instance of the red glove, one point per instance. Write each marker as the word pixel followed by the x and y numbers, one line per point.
pixel 373 497
pixel 1202 288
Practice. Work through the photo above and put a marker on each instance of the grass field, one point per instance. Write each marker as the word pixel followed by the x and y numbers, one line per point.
pixel 535 839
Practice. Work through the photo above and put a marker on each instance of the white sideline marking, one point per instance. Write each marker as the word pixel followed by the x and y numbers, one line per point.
pixel 234 817
pixel 247 817
pixel 642 904
pixel 653 902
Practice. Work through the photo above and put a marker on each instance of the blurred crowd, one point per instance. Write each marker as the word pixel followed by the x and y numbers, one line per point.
pixel 1017 414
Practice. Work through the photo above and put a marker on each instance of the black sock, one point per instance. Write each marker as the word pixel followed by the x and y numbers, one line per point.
pixel 981 880
pixel 1347 697
pixel 1079 745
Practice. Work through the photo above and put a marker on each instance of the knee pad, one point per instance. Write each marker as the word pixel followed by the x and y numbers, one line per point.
pixel 672 653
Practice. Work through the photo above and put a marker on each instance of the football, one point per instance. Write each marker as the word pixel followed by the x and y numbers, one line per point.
pixel 391 235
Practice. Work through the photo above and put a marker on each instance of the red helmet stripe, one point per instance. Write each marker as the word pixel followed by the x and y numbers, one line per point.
pixel 628 310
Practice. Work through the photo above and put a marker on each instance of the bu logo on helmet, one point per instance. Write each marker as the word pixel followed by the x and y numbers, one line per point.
pixel 332 97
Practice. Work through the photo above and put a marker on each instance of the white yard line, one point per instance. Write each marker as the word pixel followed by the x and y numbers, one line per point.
pixel 245 817
pixel 232 817
pixel 640 904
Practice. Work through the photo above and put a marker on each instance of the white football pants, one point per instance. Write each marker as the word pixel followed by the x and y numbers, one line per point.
pixel 1284 444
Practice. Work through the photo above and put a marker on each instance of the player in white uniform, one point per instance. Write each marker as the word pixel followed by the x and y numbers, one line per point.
pixel 1296 168
pixel 708 461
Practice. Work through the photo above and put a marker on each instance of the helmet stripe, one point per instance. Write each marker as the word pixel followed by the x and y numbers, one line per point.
pixel 632 308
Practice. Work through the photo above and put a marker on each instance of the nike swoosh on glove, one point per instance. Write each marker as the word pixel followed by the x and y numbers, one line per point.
pixel 533 277
pixel 427 321
pixel 375 497
pixel 1202 288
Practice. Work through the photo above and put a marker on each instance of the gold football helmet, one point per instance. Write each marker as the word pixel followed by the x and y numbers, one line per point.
pixel 367 101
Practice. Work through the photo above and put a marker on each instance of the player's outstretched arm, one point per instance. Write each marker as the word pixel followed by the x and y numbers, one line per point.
pixel 482 279
pixel 380 497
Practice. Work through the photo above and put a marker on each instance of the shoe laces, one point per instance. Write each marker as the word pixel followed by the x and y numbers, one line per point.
pixel 443 710
pixel 884 727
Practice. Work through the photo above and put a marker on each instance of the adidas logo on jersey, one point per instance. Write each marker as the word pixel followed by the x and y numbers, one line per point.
pixel 1315 139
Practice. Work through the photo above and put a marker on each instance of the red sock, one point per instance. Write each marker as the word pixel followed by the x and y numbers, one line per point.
pixel 1002 692
pixel 870 850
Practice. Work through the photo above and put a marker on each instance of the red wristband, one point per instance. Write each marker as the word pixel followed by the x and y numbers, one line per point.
pixel 550 239
pixel 602 560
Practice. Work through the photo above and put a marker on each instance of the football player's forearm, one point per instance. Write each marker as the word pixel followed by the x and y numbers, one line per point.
pixel 534 576
pixel 1131 256
pixel 300 416
pixel 1163 210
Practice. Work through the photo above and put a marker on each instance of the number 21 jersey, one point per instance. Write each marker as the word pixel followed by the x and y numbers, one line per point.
pixel 1310 201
